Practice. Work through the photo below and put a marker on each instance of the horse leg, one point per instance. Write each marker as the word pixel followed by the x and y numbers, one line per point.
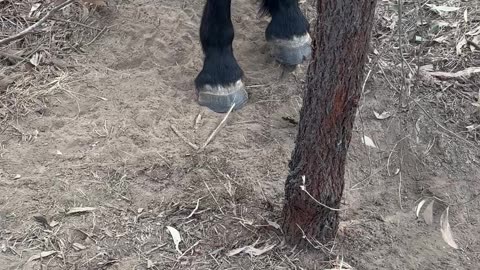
pixel 288 32
pixel 219 84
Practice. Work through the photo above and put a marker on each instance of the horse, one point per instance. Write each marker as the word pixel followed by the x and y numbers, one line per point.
pixel 219 84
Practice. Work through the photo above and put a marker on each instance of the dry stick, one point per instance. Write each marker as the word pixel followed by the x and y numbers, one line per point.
pixel 96 36
pixel 215 199
pixel 391 152
pixel 194 210
pixel 188 249
pixel 217 129
pixel 303 187
pixel 31 27
pixel 194 146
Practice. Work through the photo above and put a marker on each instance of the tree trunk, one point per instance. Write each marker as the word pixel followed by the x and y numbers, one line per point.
pixel 340 46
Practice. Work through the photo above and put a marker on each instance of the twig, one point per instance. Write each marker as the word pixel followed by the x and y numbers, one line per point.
pixel 194 210
pixel 96 36
pixel 155 248
pixel 188 249
pixel 468 72
pixel 194 146
pixel 217 129
pixel 354 187
pixel 304 189
pixel 215 199
pixel 391 152
pixel 33 26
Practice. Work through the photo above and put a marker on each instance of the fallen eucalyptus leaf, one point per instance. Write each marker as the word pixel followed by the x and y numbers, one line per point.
pixel 428 213
pixel 383 115
pixel 368 141
pixel 176 237
pixel 77 210
pixel 42 254
pixel 419 206
pixel 446 231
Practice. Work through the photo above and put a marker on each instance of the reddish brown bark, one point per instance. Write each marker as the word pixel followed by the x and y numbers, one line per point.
pixel 340 46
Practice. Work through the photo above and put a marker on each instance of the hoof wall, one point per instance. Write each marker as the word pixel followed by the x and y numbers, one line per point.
pixel 219 98
pixel 291 52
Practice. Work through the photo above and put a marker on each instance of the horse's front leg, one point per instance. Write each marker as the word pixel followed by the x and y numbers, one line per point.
pixel 219 84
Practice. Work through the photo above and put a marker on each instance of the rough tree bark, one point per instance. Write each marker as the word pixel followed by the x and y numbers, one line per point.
pixel 340 45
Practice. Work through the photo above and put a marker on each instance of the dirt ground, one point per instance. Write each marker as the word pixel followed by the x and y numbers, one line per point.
pixel 105 140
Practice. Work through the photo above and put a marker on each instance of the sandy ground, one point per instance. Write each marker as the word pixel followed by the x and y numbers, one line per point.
pixel 106 142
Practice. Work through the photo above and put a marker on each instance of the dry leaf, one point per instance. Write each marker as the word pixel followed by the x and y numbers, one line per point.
pixel 251 250
pixel 442 9
pixel 34 8
pixel 419 206
pixel 460 45
pixel 176 237
pixel 446 231
pixel 428 213
pixel 42 255
pixel 17 176
pixel 383 115
pixel 78 246
pixel 473 127
pixel 77 210
pixel 36 59
pixel 368 141
pixel 53 223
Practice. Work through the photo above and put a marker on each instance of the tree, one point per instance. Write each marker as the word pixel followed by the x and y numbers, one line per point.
pixel 340 45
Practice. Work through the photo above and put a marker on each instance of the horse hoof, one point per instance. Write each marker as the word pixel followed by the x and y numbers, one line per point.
pixel 220 98
pixel 291 52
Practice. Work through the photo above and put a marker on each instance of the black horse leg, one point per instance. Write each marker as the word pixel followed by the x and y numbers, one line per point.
pixel 288 31
pixel 219 84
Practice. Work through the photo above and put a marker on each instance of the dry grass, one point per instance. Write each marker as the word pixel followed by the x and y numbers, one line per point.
pixel 32 66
